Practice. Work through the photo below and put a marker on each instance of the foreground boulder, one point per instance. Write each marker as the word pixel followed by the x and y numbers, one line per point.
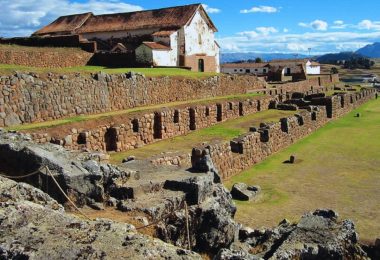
pixel 242 191
pixel 34 226
pixel 318 235
pixel 80 175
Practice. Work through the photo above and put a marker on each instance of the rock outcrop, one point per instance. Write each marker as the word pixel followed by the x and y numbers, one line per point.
pixel 241 191
pixel 81 175
pixel 34 226
pixel 318 235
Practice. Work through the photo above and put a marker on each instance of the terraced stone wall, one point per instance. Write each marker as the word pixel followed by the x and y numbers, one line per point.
pixel 127 132
pixel 28 98
pixel 244 151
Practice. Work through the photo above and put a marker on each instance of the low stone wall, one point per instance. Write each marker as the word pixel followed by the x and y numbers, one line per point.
pixel 244 151
pixel 45 58
pixel 130 131
pixel 34 98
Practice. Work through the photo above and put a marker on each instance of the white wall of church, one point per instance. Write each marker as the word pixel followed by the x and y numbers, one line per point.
pixel 199 37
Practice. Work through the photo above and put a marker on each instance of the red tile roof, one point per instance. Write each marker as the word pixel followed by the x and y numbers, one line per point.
pixel 170 18
pixel 156 46
pixel 64 24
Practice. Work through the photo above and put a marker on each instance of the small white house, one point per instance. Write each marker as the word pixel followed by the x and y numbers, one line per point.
pixel 288 67
pixel 155 54
pixel 313 68
pixel 258 69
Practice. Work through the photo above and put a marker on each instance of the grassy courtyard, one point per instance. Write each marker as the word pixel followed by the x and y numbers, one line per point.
pixel 337 168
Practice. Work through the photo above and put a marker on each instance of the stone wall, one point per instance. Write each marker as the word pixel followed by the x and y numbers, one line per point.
pixel 246 150
pixel 30 98
pixel 133 130
pixel 130 131
pixel 46 58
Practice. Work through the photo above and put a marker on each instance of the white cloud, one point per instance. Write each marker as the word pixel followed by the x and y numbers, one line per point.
pixel 369 25
pixel 298 47
pixel 319 42
pixel 339 24
pixel 285 30
pixel 23 17
pixel 258 32
pixel 318 25
pixel 211 10
pixel 260 9
pixel 266 30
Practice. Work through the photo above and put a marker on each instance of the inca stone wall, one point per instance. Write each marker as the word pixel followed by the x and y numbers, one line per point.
pixel 131 131
pixel 27 98
pixel 246 150
pixel 46 58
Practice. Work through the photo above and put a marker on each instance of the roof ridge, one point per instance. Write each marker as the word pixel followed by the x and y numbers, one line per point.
pixel 149 10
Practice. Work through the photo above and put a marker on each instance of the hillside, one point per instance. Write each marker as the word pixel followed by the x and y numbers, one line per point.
pixel 370 50
pixel 334 57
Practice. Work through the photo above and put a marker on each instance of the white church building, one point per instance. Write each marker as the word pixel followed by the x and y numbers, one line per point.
pixel 182 36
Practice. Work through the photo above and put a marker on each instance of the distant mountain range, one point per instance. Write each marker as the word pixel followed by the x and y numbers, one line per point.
pixel 333 57
pixel 371 50
pixel 239 56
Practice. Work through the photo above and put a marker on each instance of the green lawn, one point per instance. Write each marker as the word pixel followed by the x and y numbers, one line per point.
pixel 338 167
pixel 149 72
pixel 222 131
pixel 58 122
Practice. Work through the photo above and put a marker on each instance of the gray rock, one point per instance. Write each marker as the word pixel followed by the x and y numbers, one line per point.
pixel 12 119
pixel 241 191
pixel 128 159
pixel 82 180
pixel 318 235
pixel 32 229
pixel 227 254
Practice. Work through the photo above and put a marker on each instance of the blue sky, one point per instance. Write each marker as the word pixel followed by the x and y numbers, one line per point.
pixel 291 26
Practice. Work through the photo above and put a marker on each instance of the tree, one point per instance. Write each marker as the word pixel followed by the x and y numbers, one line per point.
pixel 334 70
pixel 258 60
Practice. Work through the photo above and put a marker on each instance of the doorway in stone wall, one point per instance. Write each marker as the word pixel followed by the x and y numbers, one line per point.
pixel 201 65
pixel 110 138
pixel 192 125
pixel 219 115
pixel 157 126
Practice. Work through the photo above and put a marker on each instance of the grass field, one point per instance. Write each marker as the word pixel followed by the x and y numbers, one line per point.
pixel 338 168
pixel 148 72
pixel 222 131
pixel 64 121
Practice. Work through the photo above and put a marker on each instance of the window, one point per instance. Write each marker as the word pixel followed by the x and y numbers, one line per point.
pixel 264 70
pixel 230 105
pixel 235 70
pixel 241 70
pixel 247 71
pixel 200 39
pixel 256 69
